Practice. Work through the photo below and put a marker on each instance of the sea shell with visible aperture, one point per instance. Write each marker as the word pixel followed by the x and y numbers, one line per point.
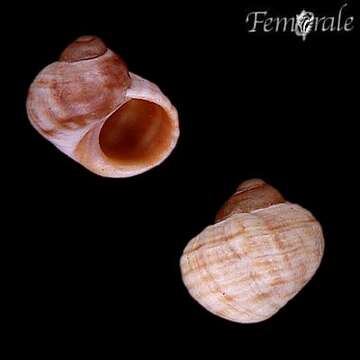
pixel 113 122
pixel 259 254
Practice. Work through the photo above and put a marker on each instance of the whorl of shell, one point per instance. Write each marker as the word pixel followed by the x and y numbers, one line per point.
pixel 259 255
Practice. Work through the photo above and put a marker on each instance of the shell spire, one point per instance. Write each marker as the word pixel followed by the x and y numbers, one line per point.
pixel 250 195
pixel 83 48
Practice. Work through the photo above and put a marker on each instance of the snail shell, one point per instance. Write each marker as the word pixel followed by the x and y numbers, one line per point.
pixel 259 254
pixel 90 107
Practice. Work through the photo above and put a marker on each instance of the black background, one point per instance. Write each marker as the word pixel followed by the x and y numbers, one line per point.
pixel 94 261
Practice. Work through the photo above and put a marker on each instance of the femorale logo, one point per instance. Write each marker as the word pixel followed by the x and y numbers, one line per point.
pixel 301 24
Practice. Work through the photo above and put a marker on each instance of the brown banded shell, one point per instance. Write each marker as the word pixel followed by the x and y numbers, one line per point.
pixel 94 110
pixel 259 255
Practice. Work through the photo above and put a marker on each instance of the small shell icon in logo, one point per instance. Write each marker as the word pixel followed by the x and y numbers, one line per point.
pixel 304 23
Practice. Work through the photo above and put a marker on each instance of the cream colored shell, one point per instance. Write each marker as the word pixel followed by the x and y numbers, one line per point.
pixel 249 265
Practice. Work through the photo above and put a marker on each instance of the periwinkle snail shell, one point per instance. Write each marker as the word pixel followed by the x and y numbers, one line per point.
pixel 113 122
pixel 259 254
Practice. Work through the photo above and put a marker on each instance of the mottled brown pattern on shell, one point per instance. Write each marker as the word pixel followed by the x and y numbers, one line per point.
pixel 79 94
